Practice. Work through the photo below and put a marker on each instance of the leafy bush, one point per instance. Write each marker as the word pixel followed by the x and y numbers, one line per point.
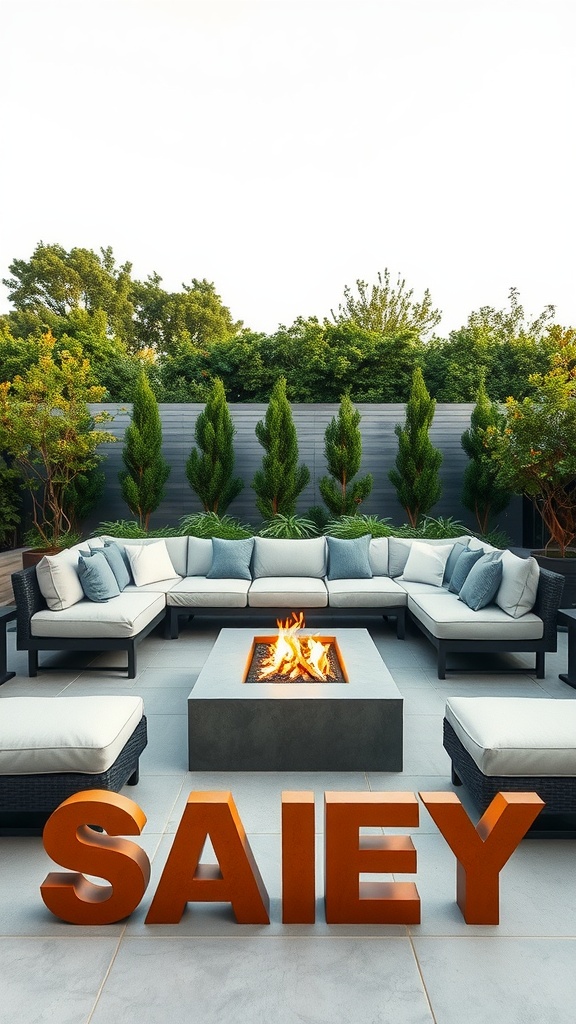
pixel 131 530
pixel 439 528
pixel 292 527
pixel 209 524
pixel 358 525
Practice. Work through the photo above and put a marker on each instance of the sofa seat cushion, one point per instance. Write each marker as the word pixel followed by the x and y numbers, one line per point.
pixel 450 619
pixel 65 734
pixel 161 587
pixel 422 588
pixel 287 591
pixel 201 592
pixel 516 735
pixel 122 616
pixel 378 592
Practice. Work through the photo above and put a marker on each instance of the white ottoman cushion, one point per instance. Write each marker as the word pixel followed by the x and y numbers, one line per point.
pixel 516 735
pixel 45 735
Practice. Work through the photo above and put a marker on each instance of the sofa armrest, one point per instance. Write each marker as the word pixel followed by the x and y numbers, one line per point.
pixel 29 600
pixel 548 597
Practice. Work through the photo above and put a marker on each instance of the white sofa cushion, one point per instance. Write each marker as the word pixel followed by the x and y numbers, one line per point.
pixel 285 557
pixel 122 616
pixel 41 735
pixel 58 579
pixel 426 563
pixel 200 592
pixel 150 563
pixel 450 619
pixel 517 592
pixel 378 556
pixel 199 559
pixel 177 548
pixel 287 591
pixel 378 592
pixel 516 735
pixel 399 549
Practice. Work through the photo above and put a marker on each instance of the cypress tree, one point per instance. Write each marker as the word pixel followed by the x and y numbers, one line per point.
pixel 343 452
pixel 210 473
pixel 482 492
pixel 146 472
pixel 281 479
pixel 417 463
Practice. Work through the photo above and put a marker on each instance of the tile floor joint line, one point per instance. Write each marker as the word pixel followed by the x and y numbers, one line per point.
pixel 106 975
pixel 421 976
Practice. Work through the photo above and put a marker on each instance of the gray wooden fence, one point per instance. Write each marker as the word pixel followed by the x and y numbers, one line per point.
pixel 379 449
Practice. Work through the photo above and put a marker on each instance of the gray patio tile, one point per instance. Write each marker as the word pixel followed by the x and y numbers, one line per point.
pixel 232 981
pixel 258 795
pixel 158 675
pixel 519 980
pixel 157 796
pixel 53 979
pixel 423 751
pixel 169 700
pixel 167 750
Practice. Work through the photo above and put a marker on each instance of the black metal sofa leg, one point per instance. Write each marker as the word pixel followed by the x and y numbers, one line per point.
pixel 132 661
pixel 540 665
pixel 32 663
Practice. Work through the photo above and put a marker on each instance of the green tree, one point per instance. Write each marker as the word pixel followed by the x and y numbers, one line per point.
pixel 146 472
pixel 388 309
pixel 535 448
pixel 482 492
pixel 343 453
pixel 210 470
pixel 281 479
pixel 46 426
pixel 417 463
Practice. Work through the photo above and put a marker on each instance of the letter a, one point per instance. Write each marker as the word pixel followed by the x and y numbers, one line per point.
pixel 235 879
pixel 69 841
pixel 482 853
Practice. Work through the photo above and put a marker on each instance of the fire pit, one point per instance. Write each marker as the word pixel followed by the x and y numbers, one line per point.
pixel 349 723
pixel 292 656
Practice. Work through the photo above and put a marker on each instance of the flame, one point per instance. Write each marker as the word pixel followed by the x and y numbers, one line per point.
pixel 296 657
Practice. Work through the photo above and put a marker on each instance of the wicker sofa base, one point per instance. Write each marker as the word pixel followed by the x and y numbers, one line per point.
pixel 558 791
pixel 27 801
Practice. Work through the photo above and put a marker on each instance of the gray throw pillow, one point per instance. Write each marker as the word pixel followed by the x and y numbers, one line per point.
pixel 349 559
pixel 465 562
pixel 96 577
pixel 452 559
pixel 231 559
pixel 117 563
pixel 482 582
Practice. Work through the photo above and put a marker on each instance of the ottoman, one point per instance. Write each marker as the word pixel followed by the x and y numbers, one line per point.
pixel 515 744
pixel 52 747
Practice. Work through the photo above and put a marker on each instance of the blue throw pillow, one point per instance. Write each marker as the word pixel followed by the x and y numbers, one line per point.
pixel 452 559
pixel 115 559
pixel 98 581
pixel 482 582
pixel 231 559
pixel 462 568
pixel 349 559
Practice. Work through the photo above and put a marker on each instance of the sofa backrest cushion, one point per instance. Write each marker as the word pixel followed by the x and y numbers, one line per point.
pixel 517 592
pixel 96 576
pixel 150 563
pixel 285 557
pixel 231 559
pixel 58 580
pixel 378 555
pixel 426 563
pixel 199 556
pixel 349 559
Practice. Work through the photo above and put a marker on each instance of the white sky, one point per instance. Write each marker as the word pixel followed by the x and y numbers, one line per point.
pixel 284 149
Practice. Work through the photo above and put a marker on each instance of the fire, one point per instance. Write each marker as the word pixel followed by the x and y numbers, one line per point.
pixel 296 657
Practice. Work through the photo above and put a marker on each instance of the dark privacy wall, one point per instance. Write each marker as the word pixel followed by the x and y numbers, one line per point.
pixel 379 448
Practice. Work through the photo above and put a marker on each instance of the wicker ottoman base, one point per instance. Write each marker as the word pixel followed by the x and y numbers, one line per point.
pixel 27 801
pixel 558 791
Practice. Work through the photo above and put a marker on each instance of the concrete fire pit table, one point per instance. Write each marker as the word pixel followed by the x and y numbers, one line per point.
pixel 296 726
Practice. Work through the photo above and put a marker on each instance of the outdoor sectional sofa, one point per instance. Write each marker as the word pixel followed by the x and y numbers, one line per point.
pixel 446 587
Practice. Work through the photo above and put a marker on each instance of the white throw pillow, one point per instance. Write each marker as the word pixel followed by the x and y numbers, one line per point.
pixel 517 592
pixel 59 581
pixel 426 564
pixel 150 563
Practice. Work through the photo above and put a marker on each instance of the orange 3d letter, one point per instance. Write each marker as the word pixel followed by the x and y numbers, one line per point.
pixel 348 854
pixel 71 842
pixel 483 851
pixel 298 859
pixel 234 879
